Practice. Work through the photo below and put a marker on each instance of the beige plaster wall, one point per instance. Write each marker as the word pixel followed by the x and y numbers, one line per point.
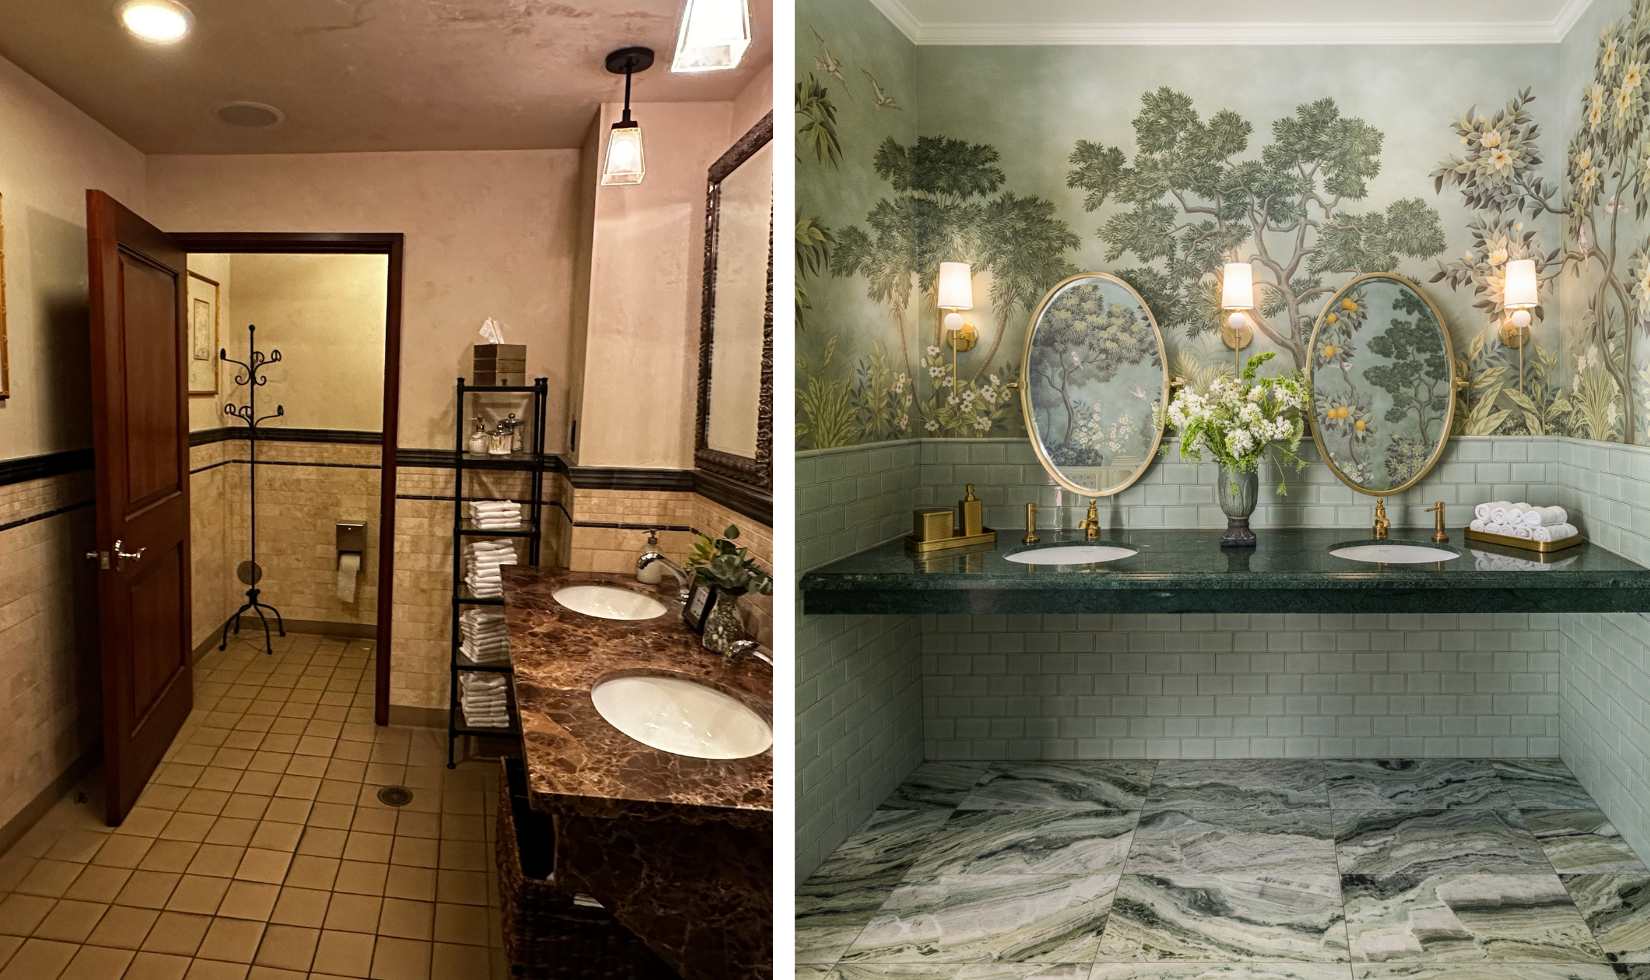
pixel 754 102
pixel 50 153
pixel 487 234
pixel 325 314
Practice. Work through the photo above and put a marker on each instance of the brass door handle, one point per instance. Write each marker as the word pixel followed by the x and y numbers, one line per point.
pixel 122 557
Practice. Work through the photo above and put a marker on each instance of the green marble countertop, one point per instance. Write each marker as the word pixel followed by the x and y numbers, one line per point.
pixel 1186 571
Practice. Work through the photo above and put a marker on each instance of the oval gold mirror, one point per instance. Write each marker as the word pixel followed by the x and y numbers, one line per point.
pixel 1383 392
pixel 1094 368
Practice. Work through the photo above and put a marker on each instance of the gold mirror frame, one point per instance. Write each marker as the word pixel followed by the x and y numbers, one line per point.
pixel 1025 387
pixel 1311 378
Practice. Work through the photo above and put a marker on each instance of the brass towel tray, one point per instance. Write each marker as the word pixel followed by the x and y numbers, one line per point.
pixel 1544 547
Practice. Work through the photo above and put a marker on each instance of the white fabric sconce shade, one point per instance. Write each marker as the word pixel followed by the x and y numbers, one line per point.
pixel 956 287
pixel 713 36
pixel 1237 286
pixel 624 164
pixel 1520 292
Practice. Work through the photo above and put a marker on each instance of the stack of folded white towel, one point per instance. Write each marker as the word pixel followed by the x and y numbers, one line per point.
pixel 1523 521
pixel 495 515
pixel 482 699
pixel 1486 562
pixel 481 566
pixel 485 639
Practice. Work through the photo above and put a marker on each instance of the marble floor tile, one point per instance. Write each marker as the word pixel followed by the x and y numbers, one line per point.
pixel 1468 840
pixel 1024 971
pixel 1061 786
pixel 1632 971
pixel 812 971
pixel 893 971
pixel 1583 842
pixel 1225 918
pixel 1218 971
pixel 1239 783
pixel 830 913
pixel 1526 918
pixel 1381 784
pixel 1483 971
pixel 1617 909
pixel 979 918
pixel 1029 842
pixel 889 840
pixel 1243 841
pixel 935 786
pixel 1542 783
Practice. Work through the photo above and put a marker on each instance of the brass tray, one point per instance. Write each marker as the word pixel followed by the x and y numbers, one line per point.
pixel 1545 547
pixel 957 540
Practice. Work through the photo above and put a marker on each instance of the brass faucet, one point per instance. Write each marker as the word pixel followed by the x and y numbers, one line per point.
pixel 1381 523
pixel 1090 525
pixel 1439 535
pixel 1031 525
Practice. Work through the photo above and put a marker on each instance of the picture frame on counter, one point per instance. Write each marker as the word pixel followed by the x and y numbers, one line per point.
pixel 701 598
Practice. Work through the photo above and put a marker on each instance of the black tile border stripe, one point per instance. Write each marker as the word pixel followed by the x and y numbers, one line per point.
pixel 348 437
pixel 50 513
pixel 26 468
pixel 638 527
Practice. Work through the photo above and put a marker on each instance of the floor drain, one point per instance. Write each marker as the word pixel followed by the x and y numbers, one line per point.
pixel 395 796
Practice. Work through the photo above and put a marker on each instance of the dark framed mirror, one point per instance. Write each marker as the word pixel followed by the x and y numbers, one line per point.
pixel 733 441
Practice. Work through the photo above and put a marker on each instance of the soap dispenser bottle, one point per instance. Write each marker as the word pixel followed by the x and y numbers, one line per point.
pixel 478 437
pixel 971 511
pixel 654 571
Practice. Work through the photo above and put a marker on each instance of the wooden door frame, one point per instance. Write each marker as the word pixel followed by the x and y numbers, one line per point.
pixel 349 243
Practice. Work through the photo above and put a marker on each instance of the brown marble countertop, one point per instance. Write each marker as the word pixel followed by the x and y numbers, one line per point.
pixel 575 760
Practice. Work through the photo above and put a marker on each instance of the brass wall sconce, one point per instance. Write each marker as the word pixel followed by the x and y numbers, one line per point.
pixel 955 294
pixel 1237 293
pixel 1520 293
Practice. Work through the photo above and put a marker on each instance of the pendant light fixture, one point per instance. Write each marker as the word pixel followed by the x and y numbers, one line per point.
pixel 713 36
pixel 623 163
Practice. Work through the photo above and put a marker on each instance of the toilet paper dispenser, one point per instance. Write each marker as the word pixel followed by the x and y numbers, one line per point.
pixel 352 547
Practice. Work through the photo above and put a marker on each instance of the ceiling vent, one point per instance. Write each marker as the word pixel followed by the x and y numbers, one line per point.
pixel 254 115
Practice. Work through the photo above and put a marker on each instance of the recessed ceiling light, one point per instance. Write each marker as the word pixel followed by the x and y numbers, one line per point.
pixel 251 114
pixel 162 21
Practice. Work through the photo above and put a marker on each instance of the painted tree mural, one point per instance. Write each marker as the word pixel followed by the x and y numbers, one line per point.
pixel 1194 201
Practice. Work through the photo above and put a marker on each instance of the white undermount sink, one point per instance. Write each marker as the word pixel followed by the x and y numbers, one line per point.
pixel 682 717
pixel 606 602
pixel 1071 554
pixel 1393 554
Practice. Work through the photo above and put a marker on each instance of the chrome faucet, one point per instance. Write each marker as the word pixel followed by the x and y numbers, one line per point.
pixel 674 569
pixel 748 646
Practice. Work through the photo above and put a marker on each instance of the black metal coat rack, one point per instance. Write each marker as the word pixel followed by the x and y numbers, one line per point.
pixel 255 362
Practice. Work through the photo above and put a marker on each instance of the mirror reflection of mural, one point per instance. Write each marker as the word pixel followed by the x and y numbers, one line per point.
pixel 1094 369
pixel 1381 383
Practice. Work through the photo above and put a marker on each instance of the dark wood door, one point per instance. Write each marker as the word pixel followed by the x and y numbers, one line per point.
pixel 140 434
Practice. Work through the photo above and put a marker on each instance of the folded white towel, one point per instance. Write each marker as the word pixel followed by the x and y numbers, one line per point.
pixel 1542 516
pixel 1482 511
pixel 1554 532
pixel 1515 513
pixel 1478 523
pixel 494 506
pixel 1523 531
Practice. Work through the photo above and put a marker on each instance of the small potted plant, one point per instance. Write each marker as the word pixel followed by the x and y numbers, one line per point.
pixel 731 570
pixel 1237 422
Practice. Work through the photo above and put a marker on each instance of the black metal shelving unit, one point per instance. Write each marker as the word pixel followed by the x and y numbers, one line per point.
pixel 530 460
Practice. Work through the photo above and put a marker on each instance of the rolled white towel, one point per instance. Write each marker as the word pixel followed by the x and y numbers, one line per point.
pixel 1515 513
pixel 1543 516
pixel 1482 511
pixel 1478 524
pixel 1498 513
pixel 1553 532
pixel 1523 531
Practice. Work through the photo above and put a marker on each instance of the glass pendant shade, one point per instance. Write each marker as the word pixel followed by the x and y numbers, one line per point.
pixel 713 36
pixel 1237 286
pixel 624 163
pixel 956 286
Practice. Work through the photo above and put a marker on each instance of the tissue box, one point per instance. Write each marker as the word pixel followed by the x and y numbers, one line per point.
pixel 500 364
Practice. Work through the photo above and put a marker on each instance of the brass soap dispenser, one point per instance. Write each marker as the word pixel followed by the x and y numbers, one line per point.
pixel 971 510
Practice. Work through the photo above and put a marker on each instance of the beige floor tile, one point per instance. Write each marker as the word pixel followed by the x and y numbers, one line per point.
pixel 123 927
pixel 200 894
pixel 162 797
pixel 217 860
pixel 169 855
pixel 234 831
pixel 98 884
pixel 148 889
pixel 264 865
pixel 298 787
pixel 286 810
pixel 463 855
pixel 258 783
pixel 449 962
pixel 343 792
pixel 346 770
pixel 462 924
pixel 323 842
pixel 400 959
pixel 461 826
pixel 207 801
pixel 417 852
pixel 361 878
pixel 235 940
pixel 97 963
pixel 78 846
pixel 406 919
pixel 50 878
pixel 70 921
pixel 218 778
pixel 307 765
pixel 215 970
pixel 177 933
pixel 232 758
pixel 270 973
pixel 144 822
pixel 288 947
pixel 249 900
pixel 461 887
pixel 354 913
pixel 275 836
pixel 374 820
pixel 427 825
pixel 38 959
pixel 346 954
pixel 413 883
pixel 14 867
pixel 301 907
pixel 244 806
pixel 157 966
pixel 188 827
pixel 330 816
pixel 374 848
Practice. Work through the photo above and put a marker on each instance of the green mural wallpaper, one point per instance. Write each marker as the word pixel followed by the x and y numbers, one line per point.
pixel 1316 164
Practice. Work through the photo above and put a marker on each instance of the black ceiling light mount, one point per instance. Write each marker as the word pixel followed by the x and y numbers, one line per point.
pixel 624 163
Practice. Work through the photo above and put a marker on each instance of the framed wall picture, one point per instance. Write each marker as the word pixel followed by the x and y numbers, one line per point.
pixel 697 609
pixel 5 364
pixel 203 335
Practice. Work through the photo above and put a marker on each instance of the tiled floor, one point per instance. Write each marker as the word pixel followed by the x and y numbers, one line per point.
pixel 260 849
pixel 1241 870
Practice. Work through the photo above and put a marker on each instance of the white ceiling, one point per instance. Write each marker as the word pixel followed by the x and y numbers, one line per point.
pixel 363 74
pixel 1223 22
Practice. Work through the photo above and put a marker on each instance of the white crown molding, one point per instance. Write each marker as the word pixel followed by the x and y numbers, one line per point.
pixel 1245 33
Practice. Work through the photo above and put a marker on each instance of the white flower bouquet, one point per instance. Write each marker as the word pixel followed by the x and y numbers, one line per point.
pixel 1239 419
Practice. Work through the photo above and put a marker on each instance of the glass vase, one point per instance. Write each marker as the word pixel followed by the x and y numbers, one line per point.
pixel 723 628
pixel 1238 492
